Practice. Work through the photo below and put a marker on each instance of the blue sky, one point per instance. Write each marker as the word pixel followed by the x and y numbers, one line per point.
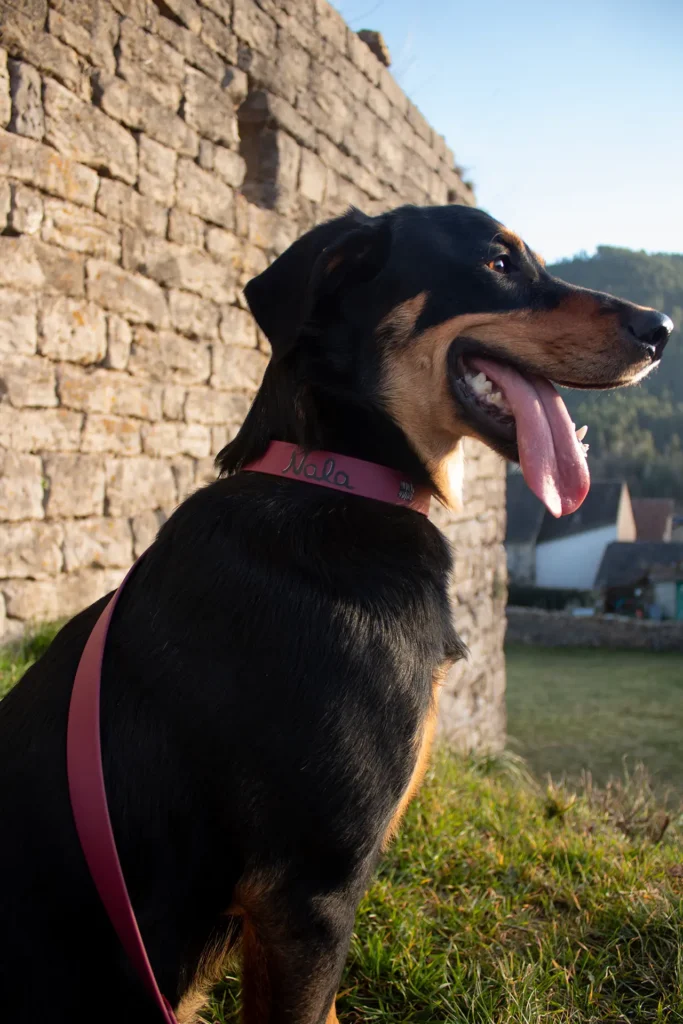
pixel 566 114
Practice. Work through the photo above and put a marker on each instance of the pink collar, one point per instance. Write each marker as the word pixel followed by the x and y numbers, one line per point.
pixel 342 473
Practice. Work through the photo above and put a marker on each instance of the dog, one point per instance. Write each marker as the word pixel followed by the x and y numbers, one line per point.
pixel 271 676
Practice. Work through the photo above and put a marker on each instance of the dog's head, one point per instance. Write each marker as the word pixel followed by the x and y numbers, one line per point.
pixel 442 320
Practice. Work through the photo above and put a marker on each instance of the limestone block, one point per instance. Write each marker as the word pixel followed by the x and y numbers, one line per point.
pixel 219 37
pixel 108 392
pixel 330 24
pixel 229 166
pixel 115 434
pixel 284 73
pixel 361 137
pixel 178 266
pixel 205 473
pixel 119 202
pixel 131 295
pixel 144 13
pixel 72 329
pixel 187 11
pixel 75 485
pixel 221 8
pixel 89 28
pixel 148 63
pixel 33 430
pixel 166 356
pixel 157 175
pixel 28 381
pixel 186 229
pixel 312 177
pixel 47 600
pixel 261 107
pixel 119 338
pixel 75 227
pixel 253 26
pixel 174 401
pixel 193 315
pixel 170 439
pixel 27 105
pixel 140 111
pixel 63 272
pixel 5 101
pixel 18 317
pixel 5 203
pixel 394 93
pixel 102 543
pixel 210 108
pixel 39 165
pixel 20 268
pixel 195 52
pixel 43 51
pixel 391 154
pixel 378 102
pixel 183 469
pixel 26 210
pixel 254 261
pixel 21 486
pixel 215 408
pixel 326 105
pixel 145 526
pixel 237 367
pixel 238 327
pixel 138 484
pixel 224 245
pixel 203 194
pixel 267 230
pixel 84 133
pixel 31 549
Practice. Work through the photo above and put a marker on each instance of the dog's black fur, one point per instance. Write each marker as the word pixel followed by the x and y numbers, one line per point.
pixel 271 663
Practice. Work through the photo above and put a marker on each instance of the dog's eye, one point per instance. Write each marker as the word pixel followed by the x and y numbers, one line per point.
pixel 502 265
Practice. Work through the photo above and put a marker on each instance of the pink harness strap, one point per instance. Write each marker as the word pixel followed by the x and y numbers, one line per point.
pixel 89 804
pixel 83 741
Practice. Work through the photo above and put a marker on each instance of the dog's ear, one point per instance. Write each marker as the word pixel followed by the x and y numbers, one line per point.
pixel 332 257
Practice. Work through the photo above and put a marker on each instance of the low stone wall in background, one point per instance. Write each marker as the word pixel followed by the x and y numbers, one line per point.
pixel 536 627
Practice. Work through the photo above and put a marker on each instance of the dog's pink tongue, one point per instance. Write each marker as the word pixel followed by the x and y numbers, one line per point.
pixel 552 460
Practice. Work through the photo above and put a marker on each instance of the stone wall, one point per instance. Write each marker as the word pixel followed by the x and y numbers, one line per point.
pixel 540 628
pixel 153 158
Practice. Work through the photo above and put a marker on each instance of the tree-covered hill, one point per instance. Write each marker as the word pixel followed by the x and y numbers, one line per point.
pixel 636 433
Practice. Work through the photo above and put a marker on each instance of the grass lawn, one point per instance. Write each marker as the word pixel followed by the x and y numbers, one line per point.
pixel 493 908
pixel 502 902
pixel 571 709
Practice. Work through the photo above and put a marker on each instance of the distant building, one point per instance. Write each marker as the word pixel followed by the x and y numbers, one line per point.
pixel 644 576
pixel 654 518
pixel 564 553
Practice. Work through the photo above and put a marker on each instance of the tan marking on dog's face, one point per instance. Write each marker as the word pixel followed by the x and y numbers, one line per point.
pixel 511 239
pixel 576 343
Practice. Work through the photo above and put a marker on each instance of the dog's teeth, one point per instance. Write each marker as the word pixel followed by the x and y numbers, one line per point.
pixel 480 384
pixel 585 448
pixel 581 433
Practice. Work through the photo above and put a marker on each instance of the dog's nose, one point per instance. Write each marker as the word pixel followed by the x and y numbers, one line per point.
pixel 651 330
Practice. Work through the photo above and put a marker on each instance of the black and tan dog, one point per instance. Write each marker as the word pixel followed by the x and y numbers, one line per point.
pixel 271 676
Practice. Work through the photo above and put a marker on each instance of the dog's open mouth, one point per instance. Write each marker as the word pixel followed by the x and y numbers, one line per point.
pixel 524 414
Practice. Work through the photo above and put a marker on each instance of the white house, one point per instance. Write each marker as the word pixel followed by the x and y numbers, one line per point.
pixel 565 553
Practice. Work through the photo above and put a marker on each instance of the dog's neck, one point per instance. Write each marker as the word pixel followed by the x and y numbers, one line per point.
pixel 313 417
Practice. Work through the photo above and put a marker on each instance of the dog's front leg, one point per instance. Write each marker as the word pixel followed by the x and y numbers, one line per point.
pixel 293 958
